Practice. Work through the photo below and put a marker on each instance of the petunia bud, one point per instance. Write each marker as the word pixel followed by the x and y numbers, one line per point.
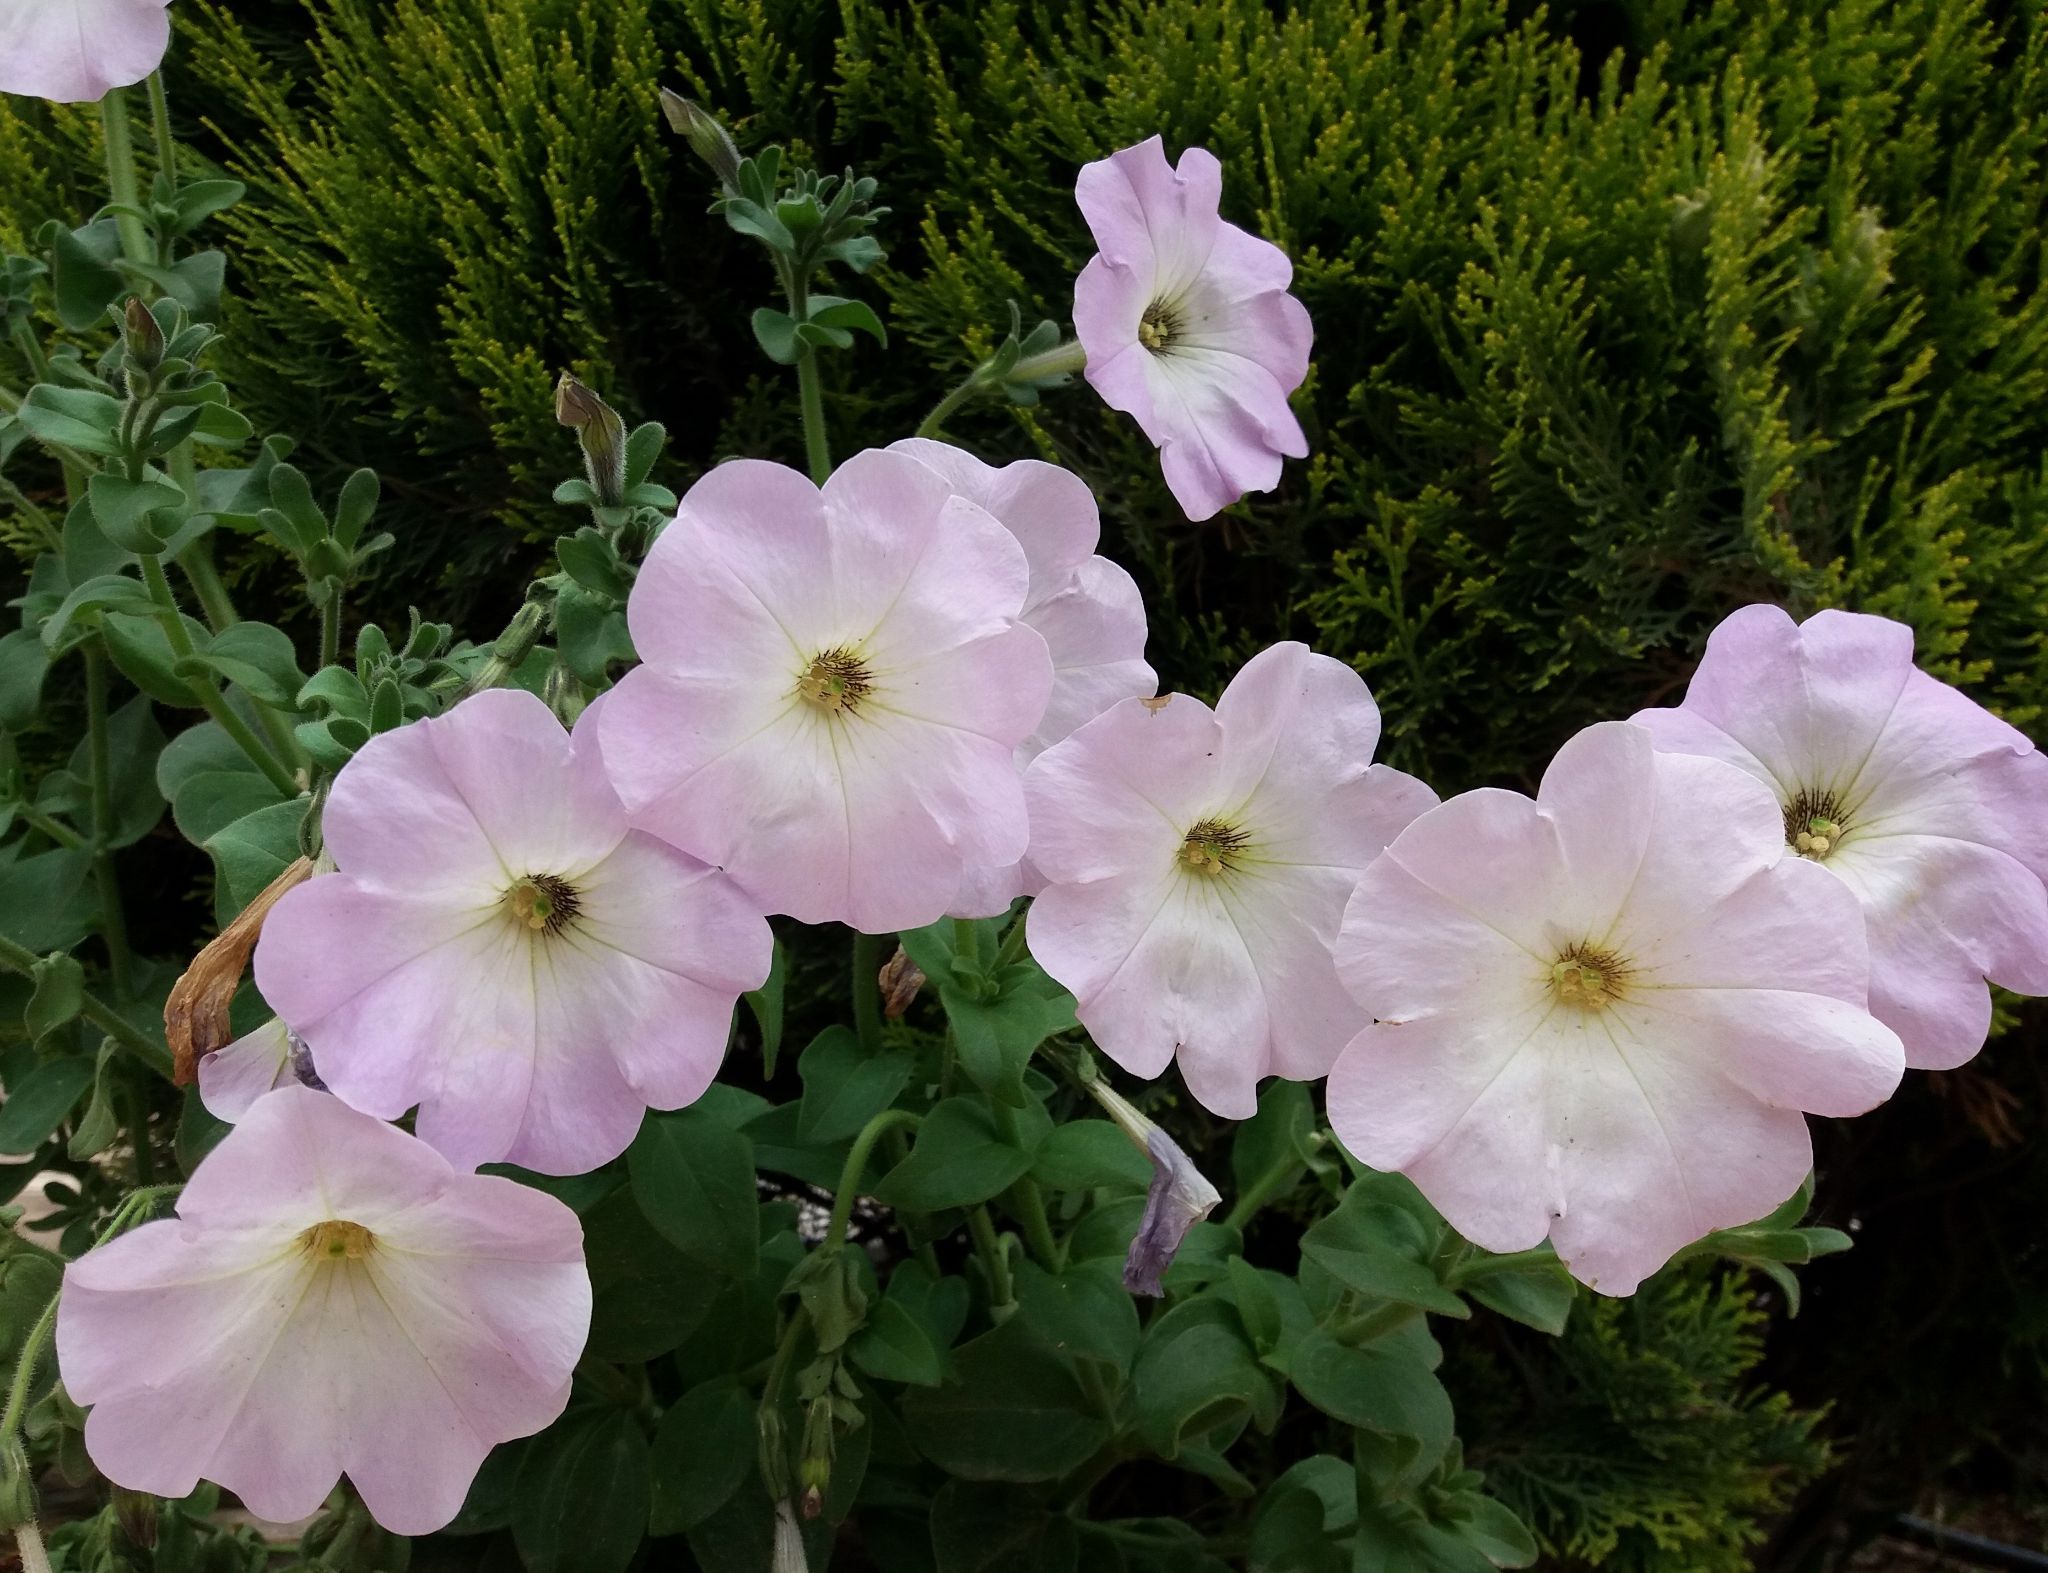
pixel 17 1487
pixel 900 979
pixel 196 1012
pixel 789 1541
pixel 1180 1197
pixel 142 336
pixel 709 140
pixel 135 1512
pixel 602 435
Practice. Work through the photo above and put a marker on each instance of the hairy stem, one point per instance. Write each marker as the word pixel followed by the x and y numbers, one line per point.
pixel 121 180
pixel 1027 1202
pixel 995 1263
pixel 57 831
pixel 203 689
pixel 870 952
pixel 935 423
pixel 856 1165
pixel 113 918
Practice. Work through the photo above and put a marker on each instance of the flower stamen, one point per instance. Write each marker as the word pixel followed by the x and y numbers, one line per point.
pixel 1212 846
pixel 337 1240
pixel 1815 823
pixel 1159 327
pixel 836 681
pixel 544 903
pixel 1588 978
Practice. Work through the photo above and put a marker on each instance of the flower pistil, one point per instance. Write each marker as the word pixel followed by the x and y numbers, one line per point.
pixel 1815 823
pixel 1588 978
pixel 544 903
pixel 337 1240
pixel 836 681
pixel 1213 846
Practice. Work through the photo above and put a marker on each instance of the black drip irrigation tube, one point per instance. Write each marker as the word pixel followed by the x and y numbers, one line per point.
pixel 1979 1550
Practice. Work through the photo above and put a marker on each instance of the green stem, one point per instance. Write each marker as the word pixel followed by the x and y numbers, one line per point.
pixel 31 350
pixel 870 953
pixel 355 1519
pixel 28 1540
pixel 856 1165
pixel 330 629
pixel 1486 1266
pixel 1280 1177
pixel 947 407
pixel 203 689
pixel 809 387
pixel 1376 1323
pixel 160 123
pixel 899 1149
pixel 1012 949
pixel 811 394
pixel 113 917
pixel 967 939
pixel 121 180
pixel 25 1362
pixel 1026 1200
pixel 97 1011
pixel 772 1456
pixel 196 561
pixel 60 833
pixel 993 1260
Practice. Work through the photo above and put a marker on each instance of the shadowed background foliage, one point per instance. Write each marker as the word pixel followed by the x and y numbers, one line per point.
pixel 1626 314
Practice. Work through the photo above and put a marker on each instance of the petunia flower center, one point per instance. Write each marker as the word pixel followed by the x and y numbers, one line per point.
pixel 836 681
pixel 1588 978
pixel 1212 847
pixel 337 1240
pixel 1815 823
pixel 544 903
pixel 1159 327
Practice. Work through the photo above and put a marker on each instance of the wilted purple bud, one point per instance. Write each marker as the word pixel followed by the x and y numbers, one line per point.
pixel 302 1062
pixel 1181 1197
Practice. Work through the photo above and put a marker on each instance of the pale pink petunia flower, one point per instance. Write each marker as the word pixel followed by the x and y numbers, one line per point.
pixel 1188 326
pixel 76 51
pixel 233 1077
pixel 499 948
pixel 1930 808
pixel 835 684
pixel 1197 865
pixel 1087 609
pixel 332 1298
pixel 1600 1013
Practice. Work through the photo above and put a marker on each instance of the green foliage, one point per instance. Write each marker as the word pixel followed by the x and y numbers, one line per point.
pixel 1647 1445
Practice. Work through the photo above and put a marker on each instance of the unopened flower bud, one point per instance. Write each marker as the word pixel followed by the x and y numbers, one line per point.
pixel 17 1488
pixel 789 1541
pixel 196 1011
pixel 601 434
pixel 900 979
pixel 510 650
pixel 135 1512
pixel 142 336
pixel 709 140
